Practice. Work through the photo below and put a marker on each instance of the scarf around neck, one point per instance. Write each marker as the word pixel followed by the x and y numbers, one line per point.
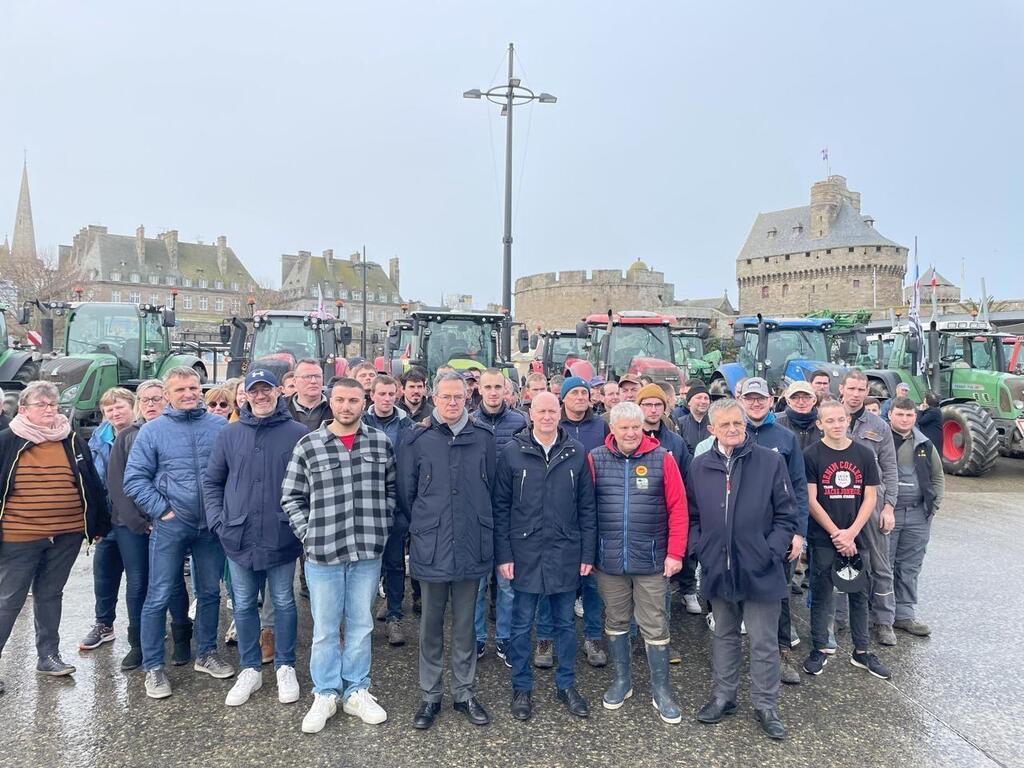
pixel 802 421
pixel 26 430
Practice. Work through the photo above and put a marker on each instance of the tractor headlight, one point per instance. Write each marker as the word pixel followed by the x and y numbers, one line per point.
pixel 70 394
pixel 1019 405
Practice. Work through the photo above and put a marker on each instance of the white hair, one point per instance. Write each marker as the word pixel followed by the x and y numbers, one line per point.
pixel 626 411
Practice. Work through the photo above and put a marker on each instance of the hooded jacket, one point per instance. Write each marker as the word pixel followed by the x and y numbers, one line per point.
pixel 869 429
pixel 392 426
pixel 444 498
pixel 742 520
pixel 545 520
pixel 929 421
pixel 242 488
pixel 641 508
pixel 166 464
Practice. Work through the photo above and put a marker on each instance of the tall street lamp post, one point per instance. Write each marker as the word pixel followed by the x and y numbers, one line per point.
pixel 508 95
pixel 362 341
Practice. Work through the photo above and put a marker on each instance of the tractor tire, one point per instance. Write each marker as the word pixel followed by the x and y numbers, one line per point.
pixel 719 387
pixel 970 443
pixel 877 388
pixel 28 372
pixel 201 372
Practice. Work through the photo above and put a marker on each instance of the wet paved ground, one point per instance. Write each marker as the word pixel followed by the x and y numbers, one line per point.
pixel 954 699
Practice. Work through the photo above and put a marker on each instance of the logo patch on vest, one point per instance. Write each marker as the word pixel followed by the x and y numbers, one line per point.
pixel 642 483
pixel 641 471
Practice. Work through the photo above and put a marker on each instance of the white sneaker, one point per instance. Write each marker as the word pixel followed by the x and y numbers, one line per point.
pixel 192 609
pixel 692 604
pixel 287 685
pixel 325 706
pixel 710 619
pixel 363 704
pixel 231 636
pixel 577 607
pixel 249 681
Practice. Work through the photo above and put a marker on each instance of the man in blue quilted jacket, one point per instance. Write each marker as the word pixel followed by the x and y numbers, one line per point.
pixel 163 475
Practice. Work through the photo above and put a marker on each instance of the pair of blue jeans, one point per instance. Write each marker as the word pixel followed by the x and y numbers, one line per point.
pixel 168 543
pixel 245 586
pixel 502 610
pixel 394 571
pixel 341 593
pixel 593 612
pixel 134 549
pixel 107 568
pixel 524 608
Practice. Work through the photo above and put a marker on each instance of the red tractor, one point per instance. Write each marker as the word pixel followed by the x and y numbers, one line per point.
pixel 633 341
pixel 562 353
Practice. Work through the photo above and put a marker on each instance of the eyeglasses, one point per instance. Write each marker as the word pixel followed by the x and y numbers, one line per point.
pixel 151 400
pixel 654 404
pixel 450 398
pixel 311 377
pixel 44 406
pixel 221 404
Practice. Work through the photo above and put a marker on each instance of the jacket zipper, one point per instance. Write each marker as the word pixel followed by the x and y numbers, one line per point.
pixel 728 490
pixel 522 484
pixel 625 523
pixel 572 479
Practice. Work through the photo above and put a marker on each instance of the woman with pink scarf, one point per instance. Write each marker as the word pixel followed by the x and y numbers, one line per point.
pixel 52 499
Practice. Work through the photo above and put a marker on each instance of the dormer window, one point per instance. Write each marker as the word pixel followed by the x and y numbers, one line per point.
pixel 798 229
pixel 115 276
pixel 772 233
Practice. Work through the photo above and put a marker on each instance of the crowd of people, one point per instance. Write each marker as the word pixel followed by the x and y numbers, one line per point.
pixel 564 498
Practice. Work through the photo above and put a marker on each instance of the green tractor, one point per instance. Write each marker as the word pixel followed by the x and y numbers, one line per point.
pixel 460 340
pixel 982 404
pixel 690 354
pixel 107 345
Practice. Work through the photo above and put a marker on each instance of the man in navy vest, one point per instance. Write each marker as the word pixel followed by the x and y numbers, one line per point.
pixel 642 529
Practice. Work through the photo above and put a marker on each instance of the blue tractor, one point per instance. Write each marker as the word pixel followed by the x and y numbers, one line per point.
pixel 780 350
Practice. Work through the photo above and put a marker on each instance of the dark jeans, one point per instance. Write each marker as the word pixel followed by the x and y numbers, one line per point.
pixel 134 554
pixel 245 585
pixel 44 566
pixel 168 543
pixel 593 612
pixel 107 568
pixel 394 571
pixel 524 608
pixel 823 600
pixel 687 576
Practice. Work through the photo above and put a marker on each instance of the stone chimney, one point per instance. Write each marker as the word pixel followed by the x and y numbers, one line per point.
pixel 140 245
pixel 393 273
pixel 222 254
pixel 170 238
pixel 288 262
pixel 328 255
pixel 356 257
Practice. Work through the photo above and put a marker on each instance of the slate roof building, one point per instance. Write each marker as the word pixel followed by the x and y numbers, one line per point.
pixel 210 280
pixel 305 278
pixel 823 255
pixel 932 282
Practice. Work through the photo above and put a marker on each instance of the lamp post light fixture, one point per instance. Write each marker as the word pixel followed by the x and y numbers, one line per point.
pixel 508 95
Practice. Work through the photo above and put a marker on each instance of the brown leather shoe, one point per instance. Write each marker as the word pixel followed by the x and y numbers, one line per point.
pixel 267 645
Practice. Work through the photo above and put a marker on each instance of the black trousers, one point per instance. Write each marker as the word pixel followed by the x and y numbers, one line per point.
pixel 44 566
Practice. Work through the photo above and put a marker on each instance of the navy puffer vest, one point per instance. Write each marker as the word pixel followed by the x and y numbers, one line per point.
pixel 632 520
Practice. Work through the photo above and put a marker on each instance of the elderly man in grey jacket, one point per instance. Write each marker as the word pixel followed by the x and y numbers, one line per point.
pixel 869 429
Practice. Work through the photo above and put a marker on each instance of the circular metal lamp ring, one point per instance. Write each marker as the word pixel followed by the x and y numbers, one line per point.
pixel 499 95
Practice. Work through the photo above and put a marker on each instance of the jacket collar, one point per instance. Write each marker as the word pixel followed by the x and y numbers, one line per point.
pixel 396 413
pixel 647 444
pixel 586 417
pixel 739 452
pixel 191 414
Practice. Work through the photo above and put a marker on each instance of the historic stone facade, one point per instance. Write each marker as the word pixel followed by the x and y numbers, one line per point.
pixel 933 283
pixel 210 281
pixel 553 300
pixel 825 255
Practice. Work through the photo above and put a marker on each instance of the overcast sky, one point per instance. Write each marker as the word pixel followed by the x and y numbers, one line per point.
pixel 313 125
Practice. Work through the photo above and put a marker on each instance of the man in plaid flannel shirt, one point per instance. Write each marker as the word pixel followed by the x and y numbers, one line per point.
pixel 339 494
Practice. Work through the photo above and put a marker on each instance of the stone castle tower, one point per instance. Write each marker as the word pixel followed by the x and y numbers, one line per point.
pixel 823 255
pixel 23 244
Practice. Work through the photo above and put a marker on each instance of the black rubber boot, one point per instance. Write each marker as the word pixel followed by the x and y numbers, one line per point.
pixel 182 635
pixel 622 685
pixel 133 659
pixel 661 691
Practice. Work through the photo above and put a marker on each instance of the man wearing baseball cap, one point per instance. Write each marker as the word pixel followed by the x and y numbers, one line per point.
pixel 902 390
pixel 242 494
pixel 629 385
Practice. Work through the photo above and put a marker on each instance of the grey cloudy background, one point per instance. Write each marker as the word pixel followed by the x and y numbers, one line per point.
pixel 312 125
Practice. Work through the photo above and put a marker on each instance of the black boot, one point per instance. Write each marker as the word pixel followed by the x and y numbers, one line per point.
pixel 182 636
pixel 133 659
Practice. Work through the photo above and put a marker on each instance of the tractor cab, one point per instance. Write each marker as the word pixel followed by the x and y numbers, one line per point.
pixel 398 345
pixel 688 346
pixel 460 340
pixel 280 338
pixel 779 350
pixel 634 342
pixel 564 352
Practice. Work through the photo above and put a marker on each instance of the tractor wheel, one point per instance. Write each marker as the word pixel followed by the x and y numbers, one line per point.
pixel 28 372
pixel 970 443
pixel 200 370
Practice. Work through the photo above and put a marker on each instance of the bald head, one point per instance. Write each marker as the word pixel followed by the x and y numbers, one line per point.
pixel 545 414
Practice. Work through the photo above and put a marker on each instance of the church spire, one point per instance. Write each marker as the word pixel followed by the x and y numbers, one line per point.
pixel 23 244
